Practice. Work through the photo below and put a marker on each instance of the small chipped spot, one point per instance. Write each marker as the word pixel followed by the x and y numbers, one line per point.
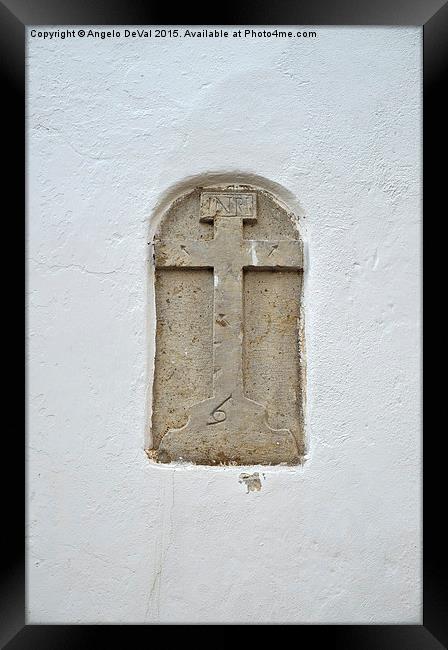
pixel 251 481
pixel 254 254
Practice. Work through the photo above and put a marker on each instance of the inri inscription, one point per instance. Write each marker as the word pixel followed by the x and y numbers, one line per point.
pixel 227 383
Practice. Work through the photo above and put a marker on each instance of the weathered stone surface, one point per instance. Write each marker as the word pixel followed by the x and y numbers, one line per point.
pixel 227 371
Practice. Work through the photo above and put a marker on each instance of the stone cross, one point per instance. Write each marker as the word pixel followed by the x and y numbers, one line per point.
pixel 228 427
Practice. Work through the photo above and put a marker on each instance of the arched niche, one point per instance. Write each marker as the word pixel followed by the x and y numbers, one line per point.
pixel 228 374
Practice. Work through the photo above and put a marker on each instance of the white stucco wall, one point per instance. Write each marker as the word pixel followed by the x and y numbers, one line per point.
pixel 117 126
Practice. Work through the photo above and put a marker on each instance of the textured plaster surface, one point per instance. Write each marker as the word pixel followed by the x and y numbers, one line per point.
pixel 115 130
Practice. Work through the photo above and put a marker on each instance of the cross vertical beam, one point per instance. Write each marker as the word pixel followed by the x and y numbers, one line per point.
pixel 228 308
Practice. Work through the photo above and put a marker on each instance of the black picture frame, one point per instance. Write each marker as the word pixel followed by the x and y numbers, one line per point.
pixel 15 15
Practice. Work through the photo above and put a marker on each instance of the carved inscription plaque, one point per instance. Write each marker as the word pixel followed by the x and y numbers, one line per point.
pixel 228 376
pixel 227 204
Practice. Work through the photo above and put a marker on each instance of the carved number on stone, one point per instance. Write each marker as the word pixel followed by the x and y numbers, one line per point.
pixel 218 415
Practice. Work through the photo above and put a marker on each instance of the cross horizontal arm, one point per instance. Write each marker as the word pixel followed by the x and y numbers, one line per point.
pixel 189 253
pixel 253 253
pixel 275 254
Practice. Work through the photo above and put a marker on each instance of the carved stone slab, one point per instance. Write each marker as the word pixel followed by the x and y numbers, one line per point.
pixel 227 385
